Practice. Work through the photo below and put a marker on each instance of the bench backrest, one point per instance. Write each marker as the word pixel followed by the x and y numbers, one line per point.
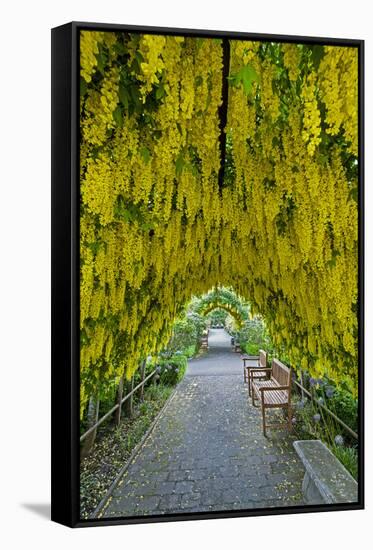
pixel 281 373
pixel 262 359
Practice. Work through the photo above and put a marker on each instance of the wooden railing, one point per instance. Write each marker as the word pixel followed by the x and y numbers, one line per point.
pixel 117 406
pixel 328 411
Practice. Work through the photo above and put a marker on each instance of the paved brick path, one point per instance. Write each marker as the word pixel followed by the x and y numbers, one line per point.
pixel 207 451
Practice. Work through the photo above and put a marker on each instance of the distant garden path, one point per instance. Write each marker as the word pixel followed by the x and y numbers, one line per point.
pixel 207 451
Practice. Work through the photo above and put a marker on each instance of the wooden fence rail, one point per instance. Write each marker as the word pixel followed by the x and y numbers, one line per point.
pixel 117 406
pixel 328 411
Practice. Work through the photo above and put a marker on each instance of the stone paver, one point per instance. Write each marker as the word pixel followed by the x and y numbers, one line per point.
pixel 207 451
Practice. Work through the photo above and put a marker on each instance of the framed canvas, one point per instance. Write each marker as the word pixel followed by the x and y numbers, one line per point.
pixel 207 274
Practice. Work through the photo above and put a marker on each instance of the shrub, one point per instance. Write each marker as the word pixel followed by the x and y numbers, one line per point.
pixel 171 370
pixel 345 407
pixel 251 349
pixel 254 336
pixel 190 351
pixel 186 333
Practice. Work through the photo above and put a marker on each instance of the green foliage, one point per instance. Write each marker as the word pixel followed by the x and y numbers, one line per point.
pixel 118 116
pixel 253 336
pixel 349 458
pixel 345 407
pixel 190 351
pixel 186 332
pixel 245 76
pixel 217 317
pixel 222 298
pixel 312 422
pixel 251 349
pixel 171 370
pixel 340 401
pixel 145 153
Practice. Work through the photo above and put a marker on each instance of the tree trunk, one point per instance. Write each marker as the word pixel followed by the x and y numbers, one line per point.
pixel 118 412
pixel 92 417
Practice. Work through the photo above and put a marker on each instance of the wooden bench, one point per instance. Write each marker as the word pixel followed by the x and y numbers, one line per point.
pixel 326 480
pixel 250 358
pixel 204 342
pixel 273 392
pixel 261 363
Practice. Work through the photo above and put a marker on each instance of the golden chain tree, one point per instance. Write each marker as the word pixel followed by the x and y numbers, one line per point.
pixel 156 227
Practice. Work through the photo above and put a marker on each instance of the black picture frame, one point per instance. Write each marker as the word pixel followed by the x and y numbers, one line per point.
pixel 65 274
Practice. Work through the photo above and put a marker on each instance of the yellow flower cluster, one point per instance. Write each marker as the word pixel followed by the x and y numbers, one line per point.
pixel 291 60
pixel 156 229
pixel 339 90
pixel 153 65
pixel 89 41
pixel 311 114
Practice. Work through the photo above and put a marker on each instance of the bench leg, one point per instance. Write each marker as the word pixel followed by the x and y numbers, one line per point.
pixel 244 374
pixel 252 397
pixel 290 424
pixel 264 419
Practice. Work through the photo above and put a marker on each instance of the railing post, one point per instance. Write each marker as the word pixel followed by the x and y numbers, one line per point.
pixel 92 416
pixel 109 414
pixel 118 411
pixel 301 383
pixel 143 365
pixel 129 403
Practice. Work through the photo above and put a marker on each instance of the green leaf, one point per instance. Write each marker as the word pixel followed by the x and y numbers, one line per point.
pixel 145 153
pixel 192 168
pixel 198 80
pixel 124 95
pixel 136 99
pixel 83 86
pixel 159 92
pixel 139 56
pixel 333 261
pixel 120 48
pixel 101 60
pixel 317 55
pixel 245 76
pixel 83 337
pixel 179 165
pixel 249 76
pixel 118 116
pixel 354 194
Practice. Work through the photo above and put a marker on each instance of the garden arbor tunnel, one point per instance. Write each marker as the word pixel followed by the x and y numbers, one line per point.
pixel 233 312
pixel 179 194
pixel 226 299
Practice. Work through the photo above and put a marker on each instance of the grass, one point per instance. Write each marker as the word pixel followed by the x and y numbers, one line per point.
pixel 114 446
pixel 349 458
